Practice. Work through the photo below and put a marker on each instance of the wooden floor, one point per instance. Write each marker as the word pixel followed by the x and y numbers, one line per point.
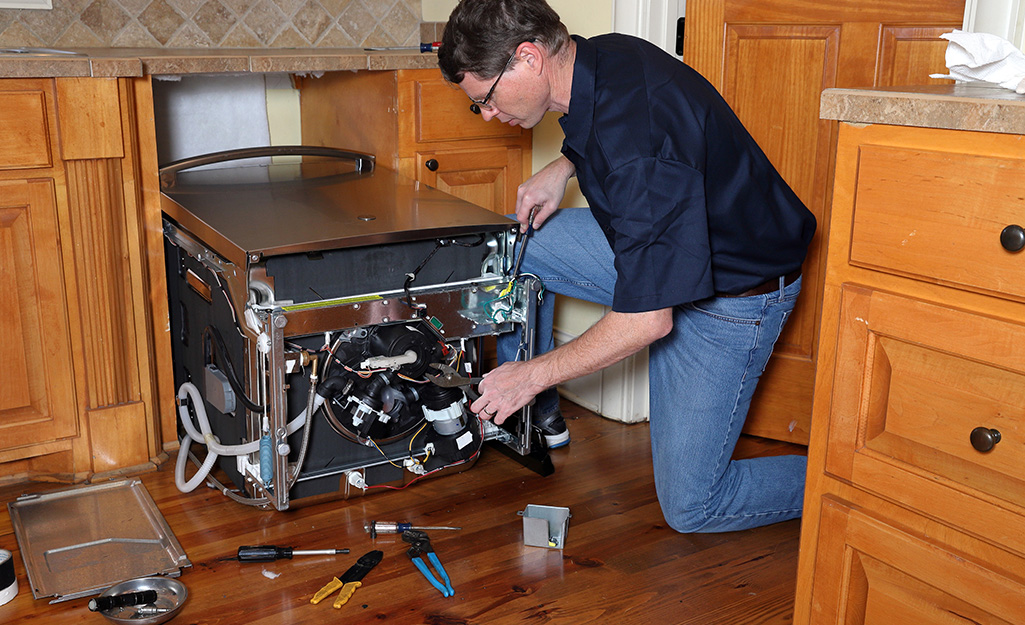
pixel 621 563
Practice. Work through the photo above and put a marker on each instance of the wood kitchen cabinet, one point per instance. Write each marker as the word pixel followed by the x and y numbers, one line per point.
pixel 916 486
pixel 771 59
pixel 77 338
pixel 415 123
pixel 37 402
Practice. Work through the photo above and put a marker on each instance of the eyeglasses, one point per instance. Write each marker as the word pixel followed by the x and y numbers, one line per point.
pixel 477 104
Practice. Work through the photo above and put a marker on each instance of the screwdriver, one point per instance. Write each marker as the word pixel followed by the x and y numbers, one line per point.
pixel 269 553
pixel 123 600
pixel 523 243
pixel 384 527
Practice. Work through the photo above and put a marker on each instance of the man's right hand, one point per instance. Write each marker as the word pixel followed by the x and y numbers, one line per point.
pixel 545 190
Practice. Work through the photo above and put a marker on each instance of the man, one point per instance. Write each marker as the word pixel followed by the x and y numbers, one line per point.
pixel 692 238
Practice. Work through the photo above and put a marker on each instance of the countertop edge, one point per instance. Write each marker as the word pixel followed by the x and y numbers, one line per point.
pixel 976 106
pixel 137 62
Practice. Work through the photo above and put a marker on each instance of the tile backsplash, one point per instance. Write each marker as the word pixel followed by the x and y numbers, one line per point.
pixel 216 24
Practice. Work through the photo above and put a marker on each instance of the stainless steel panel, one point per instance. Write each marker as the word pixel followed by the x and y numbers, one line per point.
pixel 305 207
pixel 80 541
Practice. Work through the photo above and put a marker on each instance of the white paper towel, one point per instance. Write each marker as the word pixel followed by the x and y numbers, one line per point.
pixel 974 57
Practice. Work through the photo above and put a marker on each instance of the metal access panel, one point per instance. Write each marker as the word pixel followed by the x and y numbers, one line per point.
pixel 80 541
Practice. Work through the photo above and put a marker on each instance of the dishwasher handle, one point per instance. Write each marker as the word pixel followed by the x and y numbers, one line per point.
pixel 168 173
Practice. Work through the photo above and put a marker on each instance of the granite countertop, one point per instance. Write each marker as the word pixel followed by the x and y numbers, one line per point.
pixel 967 106
pixel 128 62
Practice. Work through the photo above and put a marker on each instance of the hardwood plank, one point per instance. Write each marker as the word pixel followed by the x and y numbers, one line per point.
pixel 622 564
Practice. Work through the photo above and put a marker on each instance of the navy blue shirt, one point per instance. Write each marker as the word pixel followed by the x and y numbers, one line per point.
pixel 688 201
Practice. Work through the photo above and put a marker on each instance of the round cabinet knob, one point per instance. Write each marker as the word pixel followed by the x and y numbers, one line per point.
pixel 984 439
pixel 432 164
pixel 1012 238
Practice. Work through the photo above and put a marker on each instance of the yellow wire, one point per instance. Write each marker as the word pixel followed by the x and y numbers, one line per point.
pixel 411 457
pixel 413 438
pixel 399 466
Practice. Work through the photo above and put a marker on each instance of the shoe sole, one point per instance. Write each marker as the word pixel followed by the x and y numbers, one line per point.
pixel 557 440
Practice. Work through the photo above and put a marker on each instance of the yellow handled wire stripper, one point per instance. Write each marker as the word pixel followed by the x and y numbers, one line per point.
pixel 350 580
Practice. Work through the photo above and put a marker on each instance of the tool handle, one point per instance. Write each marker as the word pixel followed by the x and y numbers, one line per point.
pixel 418 563
pixel 386 527
pixel 441 570
pixel 263 553
pixel 347 591
pixel 141 597
pixel 323 593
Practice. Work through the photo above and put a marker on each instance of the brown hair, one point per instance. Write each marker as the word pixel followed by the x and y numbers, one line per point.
pixel 481 35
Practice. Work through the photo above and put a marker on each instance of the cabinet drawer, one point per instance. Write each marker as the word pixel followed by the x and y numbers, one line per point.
pixel 442 113
pixel 24 138
pixel 869 572
pixel 917 379
pixel 938 216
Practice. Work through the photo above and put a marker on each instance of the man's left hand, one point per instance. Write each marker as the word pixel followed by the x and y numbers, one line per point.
pixel 504 390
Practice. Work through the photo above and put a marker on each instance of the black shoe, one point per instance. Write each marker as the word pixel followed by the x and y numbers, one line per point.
pixel 553 426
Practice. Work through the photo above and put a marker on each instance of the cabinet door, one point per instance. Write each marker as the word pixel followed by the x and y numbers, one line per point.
pixel 868 572
pixel 24 127
pixel 487 177
pixel 441 112
pixel 37 400
pixel 771 59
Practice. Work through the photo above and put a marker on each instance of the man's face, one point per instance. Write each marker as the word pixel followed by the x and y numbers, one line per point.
pixel 516 99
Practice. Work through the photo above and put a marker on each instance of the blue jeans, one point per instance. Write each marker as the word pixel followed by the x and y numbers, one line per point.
pixel 702 376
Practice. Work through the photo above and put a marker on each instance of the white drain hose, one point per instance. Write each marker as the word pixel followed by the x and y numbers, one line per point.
pixel 206 436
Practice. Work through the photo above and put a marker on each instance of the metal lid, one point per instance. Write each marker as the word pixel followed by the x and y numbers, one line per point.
pixel 319 204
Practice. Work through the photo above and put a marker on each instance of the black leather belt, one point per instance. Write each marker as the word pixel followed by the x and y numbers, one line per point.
pixel 766 287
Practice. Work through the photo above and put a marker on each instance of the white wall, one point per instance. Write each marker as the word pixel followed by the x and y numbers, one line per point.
pixel 1004 18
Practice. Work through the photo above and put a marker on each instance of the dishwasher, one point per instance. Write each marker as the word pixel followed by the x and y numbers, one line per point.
pixel 313 297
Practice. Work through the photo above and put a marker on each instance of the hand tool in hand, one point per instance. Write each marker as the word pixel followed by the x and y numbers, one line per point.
pixel 420 543
pixel 523 243
pixel 123 600
pixel 450 378
pixel 350 580
pixel 270 553
pixel 386 527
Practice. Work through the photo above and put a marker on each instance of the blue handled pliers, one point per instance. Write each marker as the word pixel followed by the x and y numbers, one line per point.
pixel 419 543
